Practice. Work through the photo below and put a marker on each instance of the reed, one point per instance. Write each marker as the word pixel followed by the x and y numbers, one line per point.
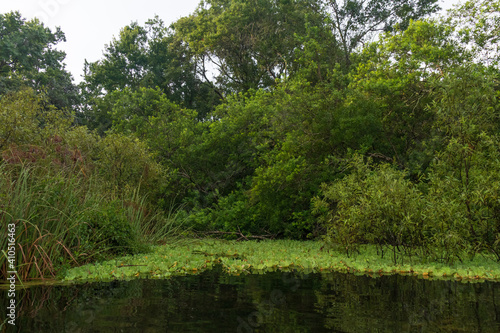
pixel 154 225
pixel 47 212
pixel 64 220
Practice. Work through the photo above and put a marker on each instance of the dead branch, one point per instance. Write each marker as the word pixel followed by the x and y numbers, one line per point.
pixel 240 234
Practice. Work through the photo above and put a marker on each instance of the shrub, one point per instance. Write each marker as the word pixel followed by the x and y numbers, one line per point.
pixel 372 206
pixel 109 223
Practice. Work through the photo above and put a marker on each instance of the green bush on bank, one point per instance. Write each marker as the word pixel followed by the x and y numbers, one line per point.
pixel 110 223
pixel 376 206
pixel 451 215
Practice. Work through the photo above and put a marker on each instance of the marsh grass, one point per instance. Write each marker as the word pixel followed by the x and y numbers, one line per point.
pixel 64 220
pixel 155 226
pixel 48 212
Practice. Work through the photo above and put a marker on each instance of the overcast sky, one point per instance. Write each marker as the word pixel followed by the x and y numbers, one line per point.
pixel 90 24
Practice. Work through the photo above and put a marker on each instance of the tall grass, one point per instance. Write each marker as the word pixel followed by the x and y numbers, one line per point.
pixel 153 225
pixel 48 212
pixel 65 220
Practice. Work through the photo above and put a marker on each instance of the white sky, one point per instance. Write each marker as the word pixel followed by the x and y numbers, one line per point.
pixel 90 24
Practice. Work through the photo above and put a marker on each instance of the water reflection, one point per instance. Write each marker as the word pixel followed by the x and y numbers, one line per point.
pixel 407 304
pixel 272 302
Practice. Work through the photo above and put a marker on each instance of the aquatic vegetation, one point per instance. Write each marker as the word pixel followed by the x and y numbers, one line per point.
pixel 61 220
pixel 254 257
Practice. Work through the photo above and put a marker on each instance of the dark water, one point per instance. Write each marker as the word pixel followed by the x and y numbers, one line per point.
pixel 272 302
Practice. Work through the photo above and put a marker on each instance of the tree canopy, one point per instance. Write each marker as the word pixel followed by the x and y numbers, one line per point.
pixel 355 21
pixel 28 57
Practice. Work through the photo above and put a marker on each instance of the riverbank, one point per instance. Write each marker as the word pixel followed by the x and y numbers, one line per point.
pixel 254 257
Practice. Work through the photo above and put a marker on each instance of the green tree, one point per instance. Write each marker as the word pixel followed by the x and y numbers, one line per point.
pixel 248 44
pixel 355 21
pixel 25 119
pixel 217 156
pixel 19 122
pixel 464 177
pixel 125 163
pixel 477 24
pixel 396 78
pixel 172 134
pixel 28 58
pixel 144 57
pixel 436 96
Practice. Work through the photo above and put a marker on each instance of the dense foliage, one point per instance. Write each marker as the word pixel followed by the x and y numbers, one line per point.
pixel 266 118
pixel 28 58
pixel 73 196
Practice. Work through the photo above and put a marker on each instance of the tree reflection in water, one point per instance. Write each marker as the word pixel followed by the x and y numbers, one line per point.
pixel 216 302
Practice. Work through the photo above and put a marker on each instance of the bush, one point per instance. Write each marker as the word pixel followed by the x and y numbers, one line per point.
pixel 124 163
pixel 463 199
pixel 454 211
pixel 231 214
pixel 109 224
pixel 372 206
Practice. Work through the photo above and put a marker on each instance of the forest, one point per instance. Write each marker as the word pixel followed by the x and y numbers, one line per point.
pixel 349 122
